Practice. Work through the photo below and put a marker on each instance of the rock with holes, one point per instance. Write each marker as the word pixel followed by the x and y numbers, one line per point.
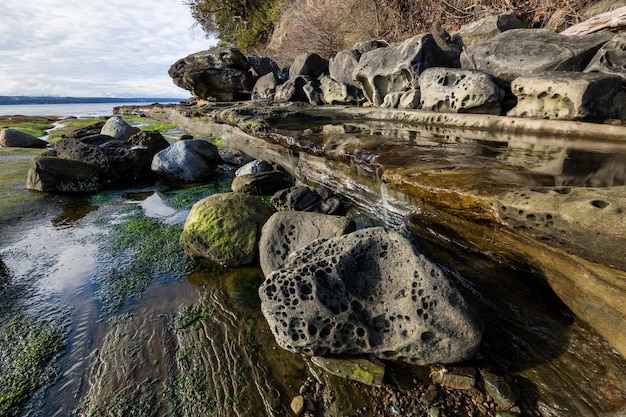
pixel 225 228
pixel 368 292
pixel 569 96
pixel 590 222
pixel 459 91
pixel 521 52
pixel 303 198
pixel 341 67
pixel 397 67
pixel 334 92
pixel 611 58
pixel 288 231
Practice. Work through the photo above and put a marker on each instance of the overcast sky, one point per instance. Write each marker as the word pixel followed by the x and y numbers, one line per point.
pixel 120 48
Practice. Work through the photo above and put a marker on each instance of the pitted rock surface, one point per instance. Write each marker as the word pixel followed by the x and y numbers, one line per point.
pixel 287 231
pixel 611 58
pixel 397 67
pixel 569 96
pixel 368 292
pixel 459 91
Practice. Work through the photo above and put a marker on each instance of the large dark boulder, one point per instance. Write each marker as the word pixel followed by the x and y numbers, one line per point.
pixel 13 138
pixel 53 175
pixel 368 292
pixel 521 52
pixel 310 64
pixel 220 73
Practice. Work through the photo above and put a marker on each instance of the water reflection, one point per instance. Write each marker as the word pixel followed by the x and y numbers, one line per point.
pixel 403 145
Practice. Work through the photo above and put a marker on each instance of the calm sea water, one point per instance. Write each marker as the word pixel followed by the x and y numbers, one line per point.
pixel 65 110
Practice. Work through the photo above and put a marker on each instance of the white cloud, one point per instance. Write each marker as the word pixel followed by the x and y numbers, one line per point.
pixel 95 48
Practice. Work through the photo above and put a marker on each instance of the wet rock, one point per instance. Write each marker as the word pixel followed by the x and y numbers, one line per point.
pixel 499 389
pixel 265 87
pixel 459 91
pixel 187 160
pixel 225 228
pixel 262 183
pixel 611 58
pixel 361 370
pixel 486 28
pixel 341 66
pixel 51 174
pixel 13 138
pixel 334 92
pixel 310 64
pixel 220 73
pixel 590 222
pixel 254 167
pixel 297 405
pixel 521 52
pixel 454 378
pixel 368 292
pixel 569 96
pixel 302 198
pixel 397 67
pixel 287 231
pixel 118 128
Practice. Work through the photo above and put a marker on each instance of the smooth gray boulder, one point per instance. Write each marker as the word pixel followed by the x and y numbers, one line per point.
pixel 118 128
pixel 288 231
pixel 455 90
pixel 341 66
pixel 53 175
pixel 265 87
pixel 310 64
pixel 334 92
pixel 486 28
pixel 261 183
pixel 254 167
pixel 611 58
pixel 13 138
pixel 225 228
pixel 397 67
pixel 187 160
pixel 221 73
pixel 519 52
pixel 569 96
pixel 368 292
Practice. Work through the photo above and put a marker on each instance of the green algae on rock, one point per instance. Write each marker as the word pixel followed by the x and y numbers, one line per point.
pixel 225 228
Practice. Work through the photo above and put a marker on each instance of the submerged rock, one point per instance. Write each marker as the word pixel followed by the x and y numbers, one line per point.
pixel 225 228
pixel 361 370
pixel 368 292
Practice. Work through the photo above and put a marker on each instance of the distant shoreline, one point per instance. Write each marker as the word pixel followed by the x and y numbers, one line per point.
pixel 17 100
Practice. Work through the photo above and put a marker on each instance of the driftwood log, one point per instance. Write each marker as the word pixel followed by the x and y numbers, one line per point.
pixel 614 19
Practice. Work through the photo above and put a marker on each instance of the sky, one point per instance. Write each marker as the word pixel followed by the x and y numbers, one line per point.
pixel 95 48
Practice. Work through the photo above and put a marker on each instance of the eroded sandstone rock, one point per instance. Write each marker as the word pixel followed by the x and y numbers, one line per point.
pixel 288 231
pixel 486 28
pixel 368 292
pixel 459 91
pixel 520 52
pixel 611 58
pixel 397 67
pixel 569 96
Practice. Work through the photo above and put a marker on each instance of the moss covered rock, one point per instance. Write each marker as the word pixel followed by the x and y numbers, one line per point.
pixel 225 228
